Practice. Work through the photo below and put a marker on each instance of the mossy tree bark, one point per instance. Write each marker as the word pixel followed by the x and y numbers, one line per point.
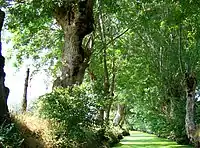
pixel 190 125
pixel 4 91
pixel 76 20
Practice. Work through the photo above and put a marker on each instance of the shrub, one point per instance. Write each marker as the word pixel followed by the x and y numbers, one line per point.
pixel 71 113
pixel 10 136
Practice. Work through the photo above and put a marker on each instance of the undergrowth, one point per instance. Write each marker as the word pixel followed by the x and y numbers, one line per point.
pixel 60 119
pixel 10 136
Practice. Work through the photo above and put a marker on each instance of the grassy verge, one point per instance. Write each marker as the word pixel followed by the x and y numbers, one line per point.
pixel 143 140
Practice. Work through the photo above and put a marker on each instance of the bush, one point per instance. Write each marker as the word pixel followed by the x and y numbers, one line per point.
pixel 71 113
pixel 10 136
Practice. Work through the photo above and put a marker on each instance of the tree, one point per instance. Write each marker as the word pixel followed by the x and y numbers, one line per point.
pixel 119 117
pixel 191 128
pixel 4 91
pixel 76 21
pixel 144 69
pixel 105 57
pixel 24 100
pixel 167 46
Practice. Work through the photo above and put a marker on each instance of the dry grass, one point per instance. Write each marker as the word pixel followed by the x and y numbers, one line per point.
pixel 36 131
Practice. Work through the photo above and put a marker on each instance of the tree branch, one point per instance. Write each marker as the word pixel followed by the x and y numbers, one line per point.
pixel 112 40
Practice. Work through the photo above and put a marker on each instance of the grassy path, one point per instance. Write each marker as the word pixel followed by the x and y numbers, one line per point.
pixel 143 140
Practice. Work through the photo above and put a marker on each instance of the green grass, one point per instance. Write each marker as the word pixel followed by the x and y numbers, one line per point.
pixel 143 140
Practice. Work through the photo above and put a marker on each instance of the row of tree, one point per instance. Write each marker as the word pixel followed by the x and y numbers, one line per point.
pixel 141 56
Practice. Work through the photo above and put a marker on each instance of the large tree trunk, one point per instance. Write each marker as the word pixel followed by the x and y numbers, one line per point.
pixel 190 126
pixel 24 100
pixel 4 91
pixel 76 20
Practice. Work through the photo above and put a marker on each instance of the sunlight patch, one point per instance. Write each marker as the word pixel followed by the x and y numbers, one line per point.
pixel 138 138
pixel 149 143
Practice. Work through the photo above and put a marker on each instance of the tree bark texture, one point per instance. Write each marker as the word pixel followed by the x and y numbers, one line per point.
pixel 76 20
pixel 119 115
pixel 4 91
pixel 24 100
pixel 190 126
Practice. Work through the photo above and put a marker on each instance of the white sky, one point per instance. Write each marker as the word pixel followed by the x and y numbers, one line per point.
pixel 15 82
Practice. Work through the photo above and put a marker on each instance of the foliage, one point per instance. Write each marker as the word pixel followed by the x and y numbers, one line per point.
pixel 160 47
pixel 10 136
pixel 71 111
pixel 151 58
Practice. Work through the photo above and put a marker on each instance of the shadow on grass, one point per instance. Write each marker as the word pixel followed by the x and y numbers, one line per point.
pixel 143 140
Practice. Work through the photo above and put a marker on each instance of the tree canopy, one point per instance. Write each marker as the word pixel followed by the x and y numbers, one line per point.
pixel 140 58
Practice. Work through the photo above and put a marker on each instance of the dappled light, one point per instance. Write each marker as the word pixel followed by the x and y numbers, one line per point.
pixel 143 140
